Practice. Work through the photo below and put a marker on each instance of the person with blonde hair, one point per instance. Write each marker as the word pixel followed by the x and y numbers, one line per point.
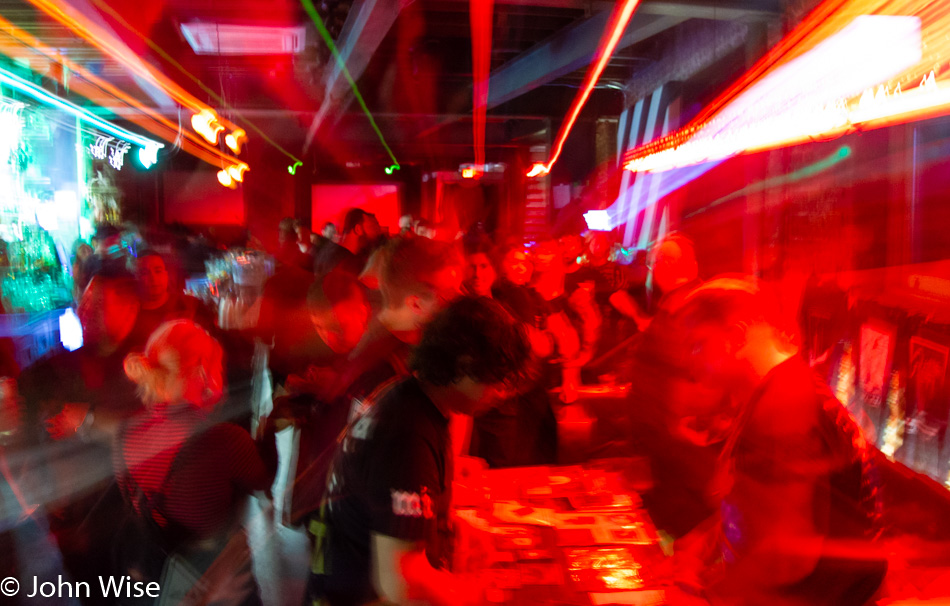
pixel 184 476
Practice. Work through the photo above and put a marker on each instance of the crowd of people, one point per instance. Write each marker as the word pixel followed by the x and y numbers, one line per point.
pixel 390 357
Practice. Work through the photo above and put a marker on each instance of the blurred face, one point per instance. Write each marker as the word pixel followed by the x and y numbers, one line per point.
pixel 446 287
pixel 572 247
pixel 285 236
pixel 599 246
pixel 546 255
pixel 670 267
pixel 478 397
pixel 106 316
pixel 371 227
pixel 480 275
pixel 204 384
pixel 153 277
pixel 342 328
pixel 329 232
pixel 517 267
pixel 303 236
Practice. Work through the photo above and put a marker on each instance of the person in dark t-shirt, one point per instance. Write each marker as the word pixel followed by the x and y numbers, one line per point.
pixel 388 491
pixel 417 279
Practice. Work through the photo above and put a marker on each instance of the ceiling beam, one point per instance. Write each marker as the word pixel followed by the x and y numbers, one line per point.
pixel 742 10
pixel 569 50
pixel 726 10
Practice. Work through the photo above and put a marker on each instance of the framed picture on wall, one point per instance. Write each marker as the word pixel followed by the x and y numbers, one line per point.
pixel 927 373
pixel 876 356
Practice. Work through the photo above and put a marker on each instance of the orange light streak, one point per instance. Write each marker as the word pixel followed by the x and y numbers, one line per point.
pixel 105 94
pixel 913 102
pixel 616 30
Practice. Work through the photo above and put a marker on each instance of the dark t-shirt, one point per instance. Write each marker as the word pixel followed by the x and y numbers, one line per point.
pixel 523 302
pixel 606 279
pixel 377 359
pixel 285 322
pixel 181 307
pixel 333 256
pixel 392 476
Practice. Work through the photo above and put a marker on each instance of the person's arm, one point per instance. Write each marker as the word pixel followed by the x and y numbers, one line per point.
pixel 402 575
pixel 628 306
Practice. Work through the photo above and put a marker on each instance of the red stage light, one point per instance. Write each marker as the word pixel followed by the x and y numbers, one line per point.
pixel 480 16
pixel 615 30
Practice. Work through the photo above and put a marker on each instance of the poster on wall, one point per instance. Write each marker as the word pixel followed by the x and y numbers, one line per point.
pixel 876 358
pixel 928 406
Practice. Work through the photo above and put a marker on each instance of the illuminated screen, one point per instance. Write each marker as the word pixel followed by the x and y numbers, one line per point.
pixel 196 198
pixel 330 203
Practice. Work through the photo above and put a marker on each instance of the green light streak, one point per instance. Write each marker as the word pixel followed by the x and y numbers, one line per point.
pixel 292 169
pixel 171 60
pixel 312 11
pixel 803 173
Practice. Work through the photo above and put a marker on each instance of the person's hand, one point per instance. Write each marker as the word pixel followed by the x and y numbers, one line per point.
pixel 317 381
pixel 67 422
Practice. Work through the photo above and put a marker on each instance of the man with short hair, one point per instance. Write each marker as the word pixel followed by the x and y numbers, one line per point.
pixel 418 278
pixel 389 490
pixel 159 302
pixel 674 271
pixel 288 252
pixel 361 232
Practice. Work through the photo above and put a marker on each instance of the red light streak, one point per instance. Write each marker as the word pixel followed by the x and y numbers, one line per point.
pixel 480 16
pixel 617 27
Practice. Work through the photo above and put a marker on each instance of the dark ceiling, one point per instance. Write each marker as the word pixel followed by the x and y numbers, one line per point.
pixel 412 62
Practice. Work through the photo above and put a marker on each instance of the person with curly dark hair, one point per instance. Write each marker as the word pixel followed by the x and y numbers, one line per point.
pixel 388 491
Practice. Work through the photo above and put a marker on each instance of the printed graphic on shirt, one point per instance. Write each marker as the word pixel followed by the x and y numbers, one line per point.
pixel 412 504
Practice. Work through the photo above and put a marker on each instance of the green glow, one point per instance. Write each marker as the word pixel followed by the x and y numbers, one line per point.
pixel 389 169
pixel 805 172
pixel 32 90
pixel 312 11
pixel 292 169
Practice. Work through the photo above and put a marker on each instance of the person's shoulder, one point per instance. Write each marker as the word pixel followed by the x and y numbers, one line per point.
pixel 402 403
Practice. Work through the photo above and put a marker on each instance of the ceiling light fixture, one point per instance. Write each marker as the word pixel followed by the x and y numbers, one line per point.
pixel 235 139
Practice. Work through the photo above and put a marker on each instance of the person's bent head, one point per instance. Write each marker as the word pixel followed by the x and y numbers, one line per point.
pixel 182 363
pixel 339 310
pixel 475 347
pixel 732 332
pixel 108 309
pixel 418 278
